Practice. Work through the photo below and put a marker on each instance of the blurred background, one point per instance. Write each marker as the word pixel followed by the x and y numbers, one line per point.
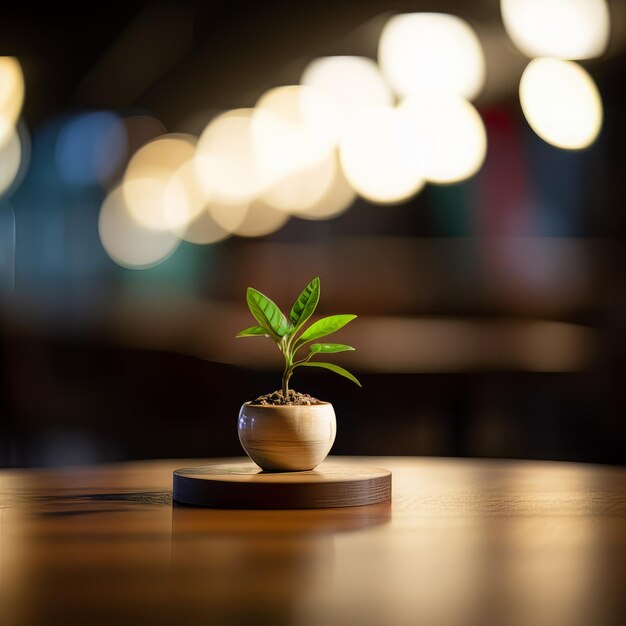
pixel 456 179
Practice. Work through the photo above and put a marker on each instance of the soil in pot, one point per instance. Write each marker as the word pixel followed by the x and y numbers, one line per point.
pixel 293 398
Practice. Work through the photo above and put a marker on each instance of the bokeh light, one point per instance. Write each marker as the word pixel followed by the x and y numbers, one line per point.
pixel 126 241
pixel 10 159
pixel 148 174
pixel 431 52
pixel 561 103
pixel 203 229
pixel 183 197
pixel 447 134
pixel 11 93
pixel 567 29
pixel 303 188
pixel 228 215
pixel 248 219
pixel 336 200
pixel 377 156
pixel 7 129
pixel 225 160
pixel 260 219
pixel 351 83
pixel 293 128
pixel 90 148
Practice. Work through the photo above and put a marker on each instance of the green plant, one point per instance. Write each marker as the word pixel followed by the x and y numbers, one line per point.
pixel 284 331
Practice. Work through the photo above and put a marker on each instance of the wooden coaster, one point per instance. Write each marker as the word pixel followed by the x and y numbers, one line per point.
pixel 243 485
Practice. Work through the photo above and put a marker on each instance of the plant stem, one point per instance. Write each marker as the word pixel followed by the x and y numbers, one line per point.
pixel 286 377
pixel 288 369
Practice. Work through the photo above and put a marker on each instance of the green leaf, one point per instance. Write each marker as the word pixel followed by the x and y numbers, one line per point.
pixel 305 304
pixel 253 331
pixel 329 348
pixel 323 327
pixel 333 368
pixel 267 314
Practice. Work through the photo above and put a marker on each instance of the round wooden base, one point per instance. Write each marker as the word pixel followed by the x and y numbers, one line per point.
pixel 243 485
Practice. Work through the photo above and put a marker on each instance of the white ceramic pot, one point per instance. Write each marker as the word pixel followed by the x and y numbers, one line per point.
pixel 287 438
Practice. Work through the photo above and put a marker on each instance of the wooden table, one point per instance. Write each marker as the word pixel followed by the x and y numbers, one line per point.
pixel 464 542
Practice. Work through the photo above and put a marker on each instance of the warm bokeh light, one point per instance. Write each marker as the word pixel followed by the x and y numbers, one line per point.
pixel 126 241
pixel 11 93
pixel 377 156
pixel 90 148
pixel 10 160
pixel 303 188
pixel 431 52
pixel 567 29
pixel 293 128
pixel 7 129
pixel 183 197
pixel 253 219
pixel 165 153
pixel 203 229
pixel 260 220
pixel 447 134
pixel 148 175
pixel 337 199
pixel 351 83
pixel 227 215
pixel 225 160
pixel 561 103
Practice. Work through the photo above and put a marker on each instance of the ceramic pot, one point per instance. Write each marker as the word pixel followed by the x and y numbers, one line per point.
pixel 287 438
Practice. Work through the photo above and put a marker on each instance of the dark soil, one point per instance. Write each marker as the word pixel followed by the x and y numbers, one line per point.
pixel 294 398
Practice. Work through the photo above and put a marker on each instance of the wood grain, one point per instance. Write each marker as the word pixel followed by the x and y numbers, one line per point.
pixel 463 543
pixel 245 486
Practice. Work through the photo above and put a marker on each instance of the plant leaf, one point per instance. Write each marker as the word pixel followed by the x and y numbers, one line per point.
pixel 267 314
pixel 329 348
pixel 253 331
pixel 305 304
pixel 323 327
pixel 333 368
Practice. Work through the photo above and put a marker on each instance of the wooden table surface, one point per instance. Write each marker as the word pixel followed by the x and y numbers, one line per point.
pixel 464 542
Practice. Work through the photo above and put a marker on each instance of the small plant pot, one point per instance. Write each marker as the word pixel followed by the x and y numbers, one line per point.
pixel 287 438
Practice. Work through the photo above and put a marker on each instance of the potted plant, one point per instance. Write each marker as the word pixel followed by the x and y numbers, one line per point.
pixel 286 430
